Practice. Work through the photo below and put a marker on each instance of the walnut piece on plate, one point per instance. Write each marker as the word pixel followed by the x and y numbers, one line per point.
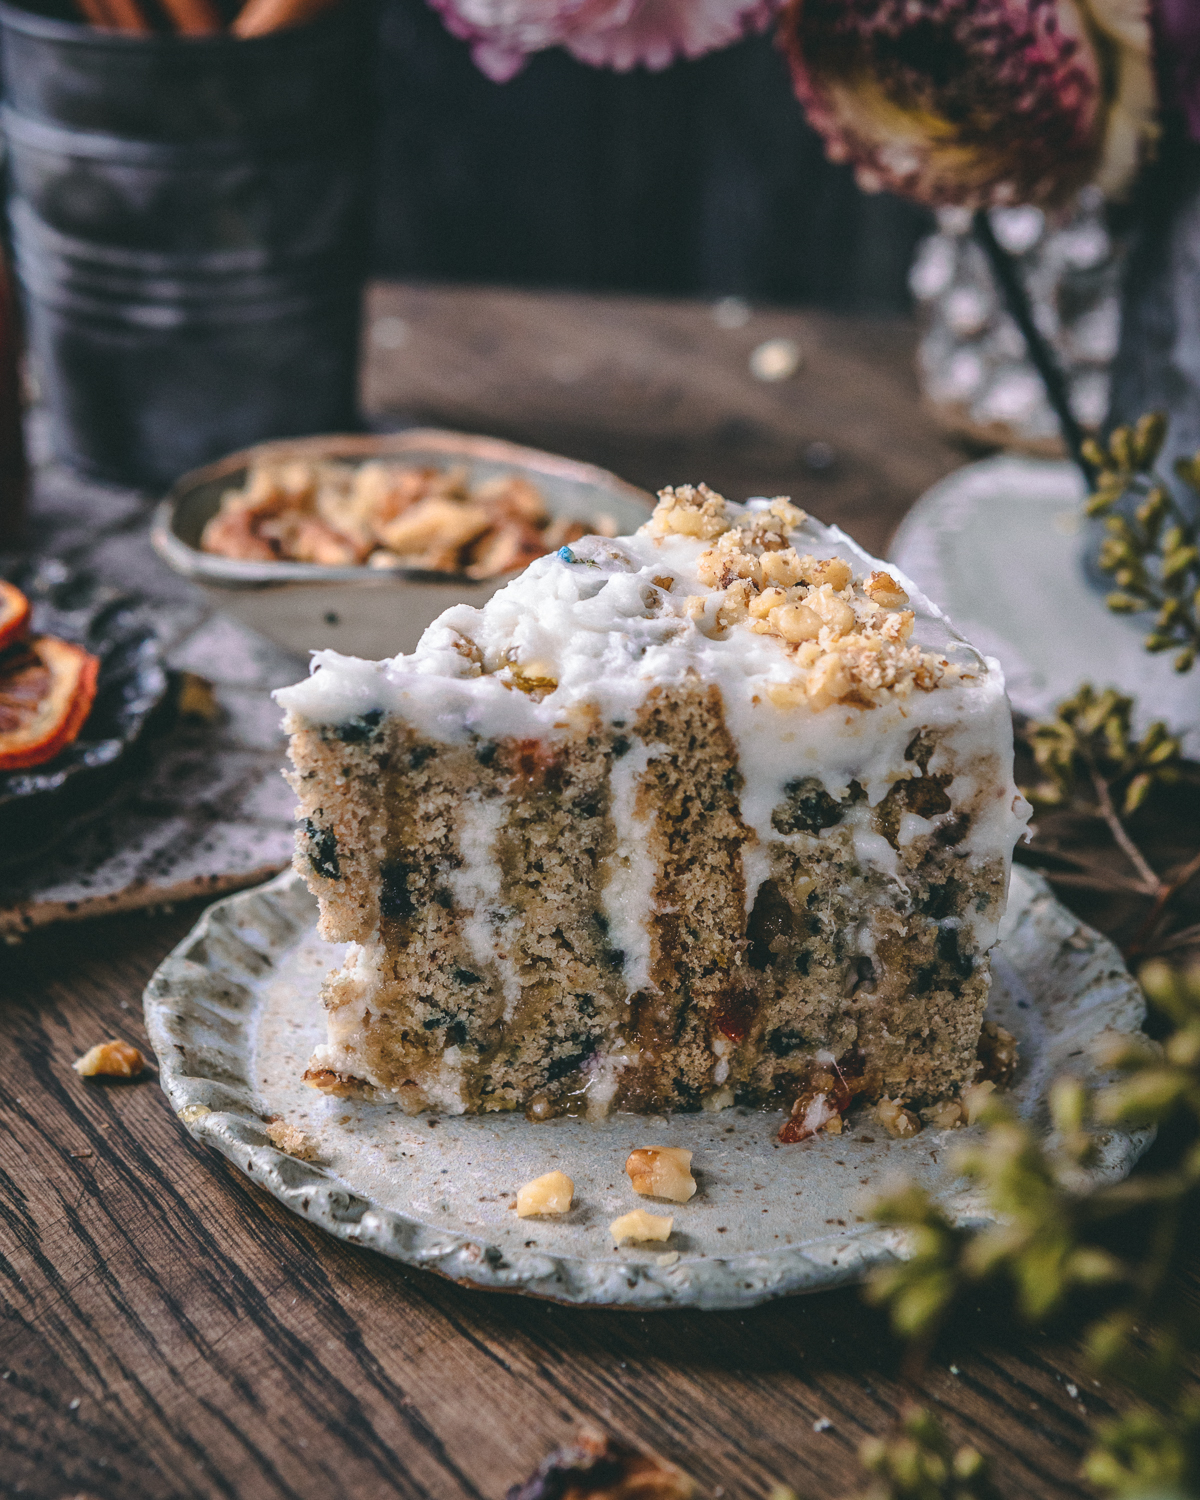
pixel 549 1194
pixel 639 1225
pixel 662 1172
pixel 291 1140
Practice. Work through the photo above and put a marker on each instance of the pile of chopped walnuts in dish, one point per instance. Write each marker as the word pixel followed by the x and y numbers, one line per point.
pixel 389 515
pixel 848 636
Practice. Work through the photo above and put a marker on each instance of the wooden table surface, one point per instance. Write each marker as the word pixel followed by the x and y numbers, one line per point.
pixel 170 1330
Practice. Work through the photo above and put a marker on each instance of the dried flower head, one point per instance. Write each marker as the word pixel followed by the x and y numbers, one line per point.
pixel 977 102
pixel 617 34
pixel 1088 745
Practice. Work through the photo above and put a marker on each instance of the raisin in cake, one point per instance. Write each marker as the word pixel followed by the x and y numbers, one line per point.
pixel 676 819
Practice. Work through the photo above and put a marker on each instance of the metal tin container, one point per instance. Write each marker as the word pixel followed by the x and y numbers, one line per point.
pixel 188 218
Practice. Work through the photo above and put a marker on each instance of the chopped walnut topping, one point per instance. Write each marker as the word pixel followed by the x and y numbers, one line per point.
pixel 835 612
pixel 828 571
pixel 736 604
pixel 688 510
pixel 782 569
pixel 791 515
pixel 726 561
pixel 828 681
pixel 469 650
pixel 883 589
pixel 848 637
pixel 550 1194
pixel 795 623
pixel 110 1060
pixel 291 1140
pixel 762 604
pixel 435 524
pixel 639 1225
pixel 662 1172
pixel 896 1120
pixel 534 678
pixel 787 694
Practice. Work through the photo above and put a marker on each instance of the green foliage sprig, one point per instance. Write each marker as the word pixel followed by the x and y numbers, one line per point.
pixel 1091 763
pixel 922 1464
pixel 1088 746
pixel 918 1463
pixel 1051 1245
pixel 1048 1249
pixel 1151 550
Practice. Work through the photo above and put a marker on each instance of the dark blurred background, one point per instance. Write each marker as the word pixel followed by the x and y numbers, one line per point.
pixel 702 180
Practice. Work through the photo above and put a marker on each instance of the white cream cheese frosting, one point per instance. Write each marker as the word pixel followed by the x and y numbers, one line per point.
pixel 602 622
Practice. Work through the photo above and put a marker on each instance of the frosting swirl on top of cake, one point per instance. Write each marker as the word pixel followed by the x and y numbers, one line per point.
pixel 811 641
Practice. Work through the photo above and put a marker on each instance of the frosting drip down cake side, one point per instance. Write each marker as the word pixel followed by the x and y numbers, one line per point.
pixel 713 812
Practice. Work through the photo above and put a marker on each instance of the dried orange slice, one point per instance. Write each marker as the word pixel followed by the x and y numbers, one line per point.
pixel 14 614
pixel 47 688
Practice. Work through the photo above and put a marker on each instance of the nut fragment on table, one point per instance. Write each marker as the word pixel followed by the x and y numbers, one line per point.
pixel 389 515
pixel 639 1225
pixel 896 1120
pixel 291 1140
pixel 549 1194
pixel 603 1468
pixel 662 1172
pixel 113 1059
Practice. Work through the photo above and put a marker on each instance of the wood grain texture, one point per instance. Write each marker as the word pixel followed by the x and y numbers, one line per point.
pixel 169 1331
pixel 216 1345
pixel 659 392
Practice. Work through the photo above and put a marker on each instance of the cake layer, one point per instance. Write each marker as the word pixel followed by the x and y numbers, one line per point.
pixel 676 819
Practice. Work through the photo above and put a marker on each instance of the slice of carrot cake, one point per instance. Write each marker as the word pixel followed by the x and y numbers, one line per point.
pixel 677 819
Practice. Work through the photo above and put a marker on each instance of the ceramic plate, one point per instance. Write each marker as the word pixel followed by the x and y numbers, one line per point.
pixel 233 1015
pixel 1001 545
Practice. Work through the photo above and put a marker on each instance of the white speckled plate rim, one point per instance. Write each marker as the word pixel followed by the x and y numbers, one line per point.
pixel 204 1004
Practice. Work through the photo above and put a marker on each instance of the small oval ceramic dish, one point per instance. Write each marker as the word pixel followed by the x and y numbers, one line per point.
pixel 359 610
pixel 234 1013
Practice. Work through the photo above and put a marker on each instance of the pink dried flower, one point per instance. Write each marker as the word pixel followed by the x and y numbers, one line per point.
pixel 658 31
pixel 977 102
pixel 606 33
